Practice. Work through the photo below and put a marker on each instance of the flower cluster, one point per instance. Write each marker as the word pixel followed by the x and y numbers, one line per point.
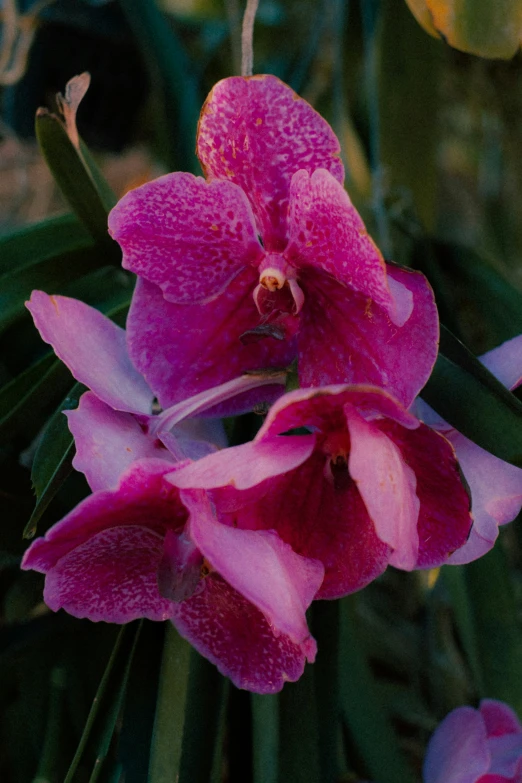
pixel 263 265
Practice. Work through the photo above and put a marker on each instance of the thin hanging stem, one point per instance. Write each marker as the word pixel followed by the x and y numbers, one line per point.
pixel 247 38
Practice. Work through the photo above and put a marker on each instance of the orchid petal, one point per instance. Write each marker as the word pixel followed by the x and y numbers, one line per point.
pixel 326 232
pixel 142 499
pixel 444 516
pixel 323 408
pixel 261 567
pixel 505 362
pixel 246 465
pixel 387 486
pixel 182 351
pixel 93 348
pixel 256 132
pixel 320 519
pixel 499 718
pixel 458 751
pixel 189 236
pixel 344 338
pixel 232 633
pixel 111 576
pixel 496 491
pixel 107 442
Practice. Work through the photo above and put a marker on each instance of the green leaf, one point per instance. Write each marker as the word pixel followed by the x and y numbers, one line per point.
pixel 455 580
pixel 496 619
pixel 52 275
pixel 29 393
pixel 107 704
pixel 363 710
pixel 299 759
pixel 38 242
pixel 53 459
pixel 204 723
pixel 473 401
pixel 265 739
pixel 165 757
pixel 73 178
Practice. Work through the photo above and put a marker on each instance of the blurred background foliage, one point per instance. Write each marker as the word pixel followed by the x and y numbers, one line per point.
pixel 431 140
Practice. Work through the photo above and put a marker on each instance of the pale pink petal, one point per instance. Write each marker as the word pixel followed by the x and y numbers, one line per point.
pixel 185 349
pixel 257 133
pixel 444 516
pixel 505 362
pixel 112 577
pixel 345 338
pixel 506 756
pixel 499 718
pixel 322 518
pixel 142 499
pixel 387 486
pixel 186 235
pixel 323 408
pixel 93 348
pixel 263 569
pixel 327 233
pixel 107 442
pixel 458 750
pixel 232 633
pixel 246 465
pixel 496 492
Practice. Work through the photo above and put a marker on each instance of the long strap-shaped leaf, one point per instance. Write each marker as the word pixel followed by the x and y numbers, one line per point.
pixel 473 401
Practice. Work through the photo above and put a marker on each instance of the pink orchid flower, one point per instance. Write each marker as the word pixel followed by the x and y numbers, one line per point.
pixel 476 746
pixel 495 485
pixel 272 247
pixel 367 487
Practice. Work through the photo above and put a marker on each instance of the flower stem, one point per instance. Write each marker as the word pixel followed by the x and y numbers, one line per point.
pixel 247 36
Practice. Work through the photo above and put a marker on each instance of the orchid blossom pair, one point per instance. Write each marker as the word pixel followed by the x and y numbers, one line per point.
pixel 263 263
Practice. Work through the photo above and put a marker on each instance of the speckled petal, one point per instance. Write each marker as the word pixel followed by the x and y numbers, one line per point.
pixel 257 133
pixel 261 567
pixel 345 338
pixel 444 516
pixel 107 442
pixel 185 349
pixel 229 631
pixel 142 499
pixel 93 348
pixel 320 519
pixel 246 465
pixel 111 576
pixel 496 491
pixel 323 408
pixel 186 235
pixel 458 751
pixel 387 485
pixel 326 232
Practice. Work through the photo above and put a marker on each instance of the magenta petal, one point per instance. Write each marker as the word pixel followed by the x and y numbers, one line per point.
pixel 326 232
pixel 261 567
pixel 343 338
pixel 93 348
pixel 496 492
pixel 505 362
pixel 322 521
pixel 229 631
pixel 107 442
pixel 112 577
pixel 141 499
pixel 257 133
pixel 499 718
pixel 444 516
pixel 387 486
pixel 323 408
pixel 246 465
pixel 179 572
pixel 458 750
pixel 183 350
pixel 186 235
